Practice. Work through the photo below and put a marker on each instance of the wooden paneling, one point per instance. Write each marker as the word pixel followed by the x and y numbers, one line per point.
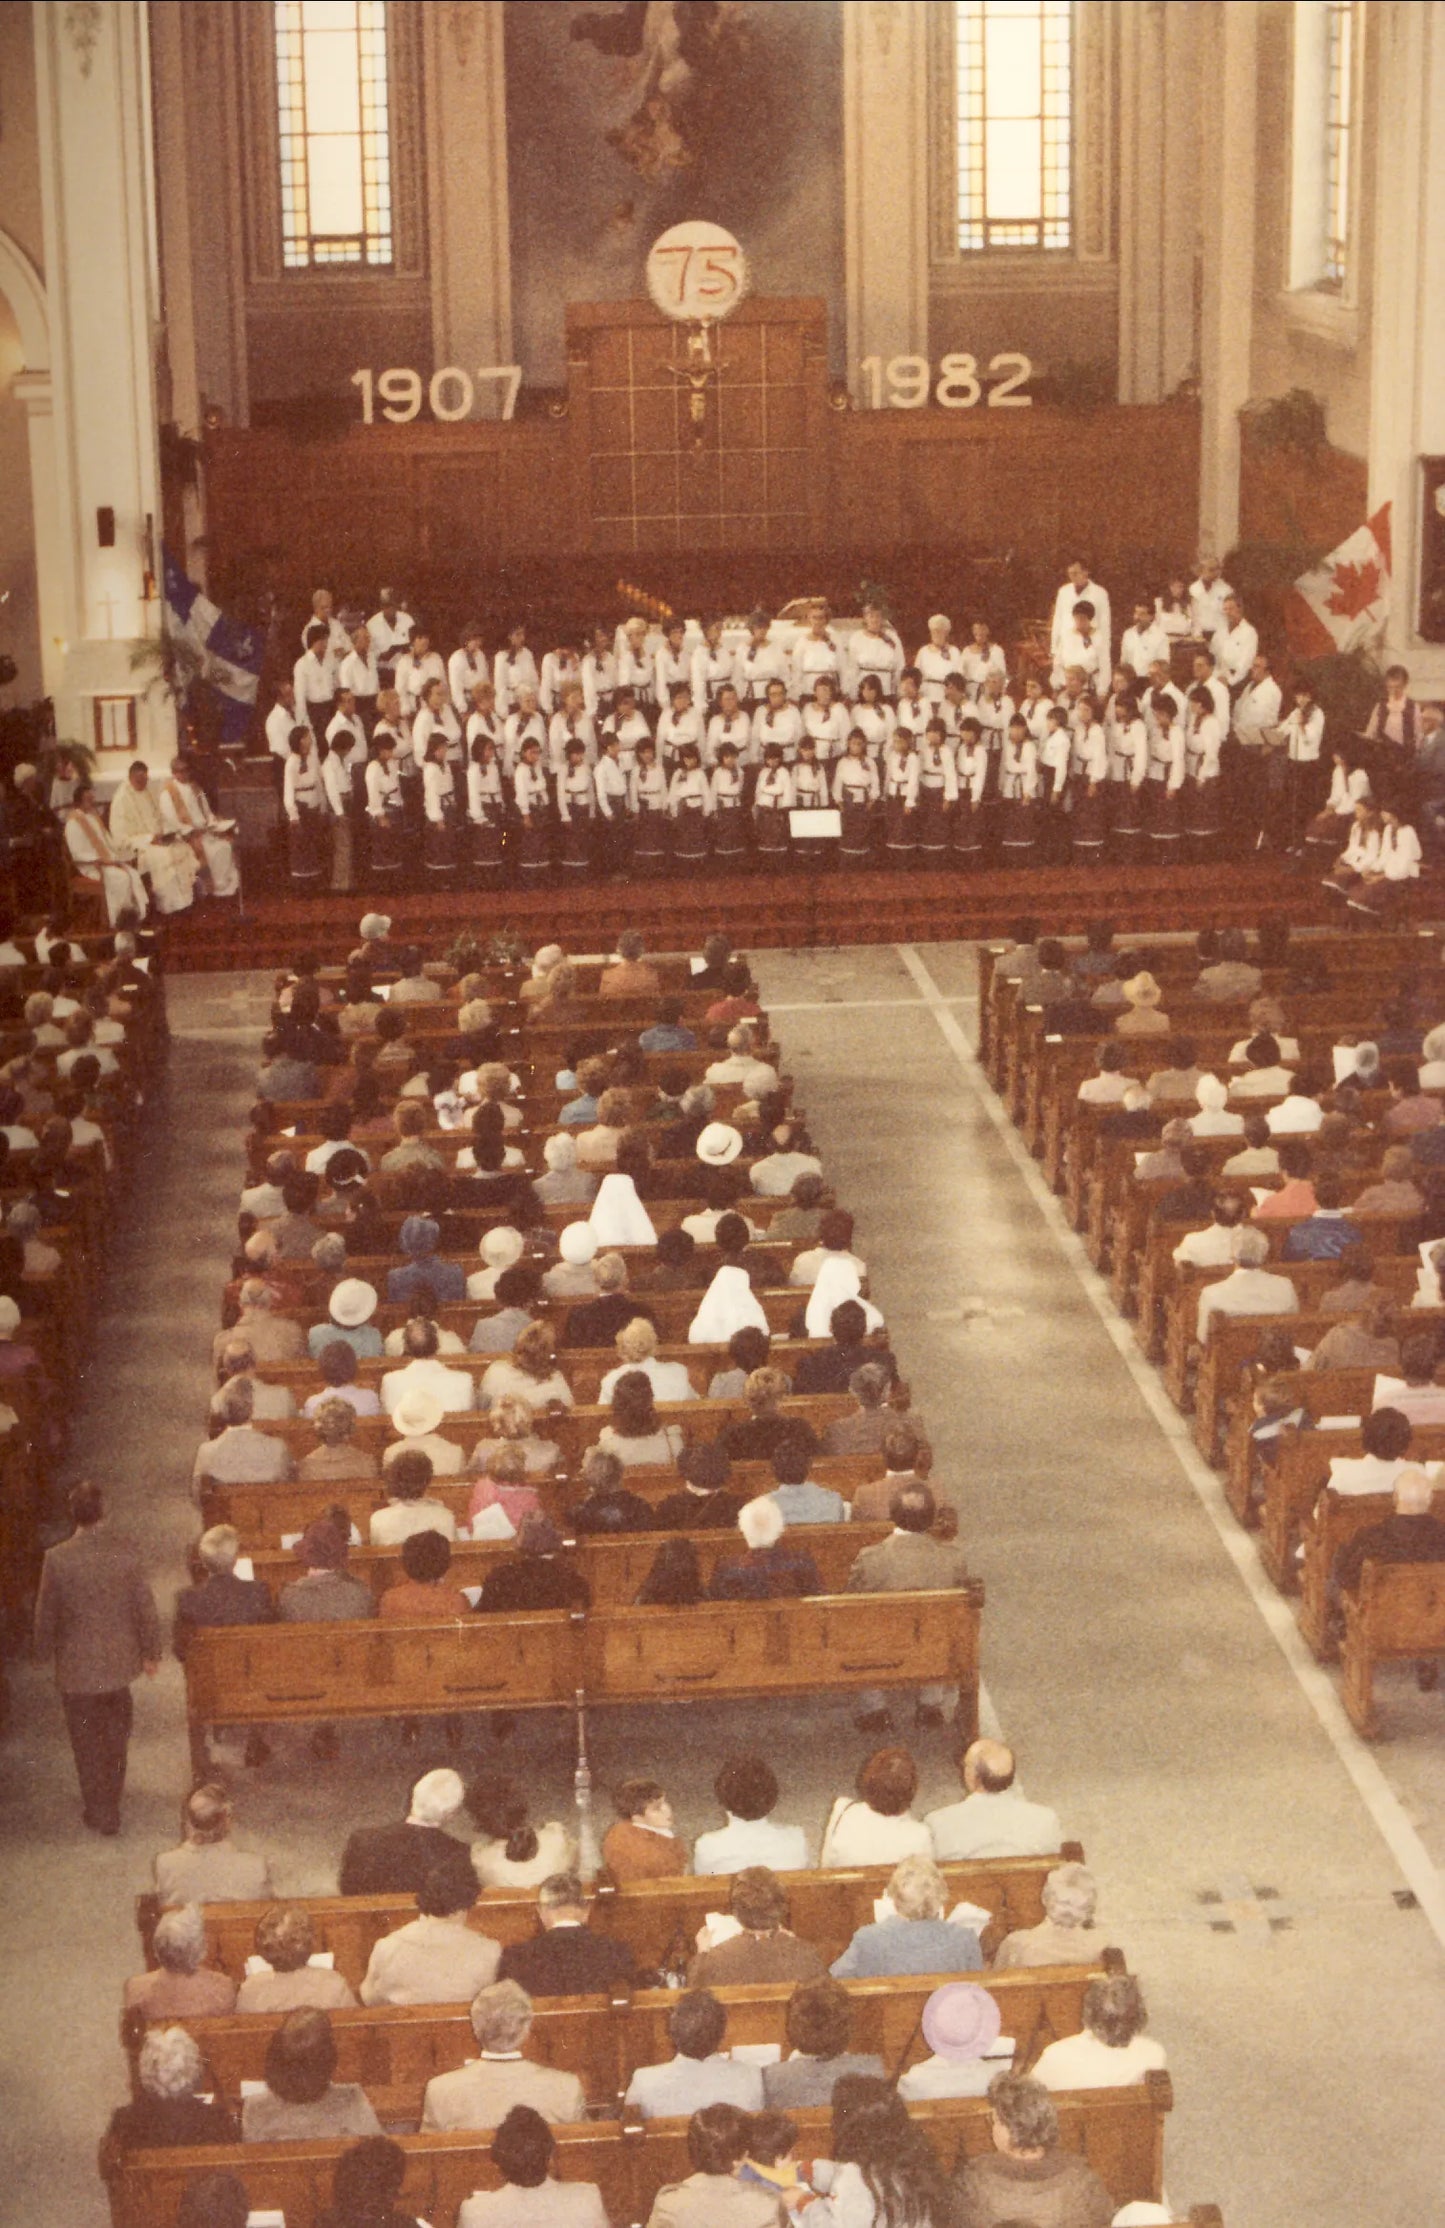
pixel 787 494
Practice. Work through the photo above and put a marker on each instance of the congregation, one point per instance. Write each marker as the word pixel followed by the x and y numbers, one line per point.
pixel 399 1437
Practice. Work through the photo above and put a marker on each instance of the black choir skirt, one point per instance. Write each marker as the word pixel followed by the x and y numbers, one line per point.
pixel 649 840
pixel 857 838
pixel 577 842
pixel 932 821
pixel 439 847
pixel 689 836
pixel 968 830
pixel 730 835
pixel 307 844
pixel 486 837
pixel 900 826
pixel 385 835
pixel 534 849
pixel 771 825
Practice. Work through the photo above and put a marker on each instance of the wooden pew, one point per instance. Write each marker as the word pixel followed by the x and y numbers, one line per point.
pixel 656 1918
pixel 394 2050
pixel 1397 1616
pixel 1294 1484
pixel 574 1430
pixel 1119 2131
pixel 265 1514
pixel 614 1565
pixel 240 1674
pixel 1333 1522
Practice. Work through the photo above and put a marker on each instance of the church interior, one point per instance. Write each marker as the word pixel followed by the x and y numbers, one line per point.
pixel 822 623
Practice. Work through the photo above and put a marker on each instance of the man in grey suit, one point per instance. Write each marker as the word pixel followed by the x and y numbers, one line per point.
pixel 96 1617
pixel 910 1561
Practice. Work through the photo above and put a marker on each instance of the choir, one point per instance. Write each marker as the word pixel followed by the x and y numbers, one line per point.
pixel 654 749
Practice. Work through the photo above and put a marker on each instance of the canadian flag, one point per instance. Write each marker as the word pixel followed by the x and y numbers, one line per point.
pixel 1343 605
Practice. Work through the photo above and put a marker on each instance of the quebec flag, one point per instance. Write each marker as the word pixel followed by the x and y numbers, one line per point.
pixel 230 655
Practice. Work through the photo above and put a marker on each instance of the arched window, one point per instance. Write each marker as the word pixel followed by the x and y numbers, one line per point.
pixel 1326 57
pixel 1015 124
pixel 334 133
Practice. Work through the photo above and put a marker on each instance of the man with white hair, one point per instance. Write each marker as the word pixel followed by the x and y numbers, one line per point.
pixel 480 2095
pixel 396 1859
pixel 768 1570
pixel 1410 1534
pixel 564 1184
pixel 221 1598
pixel 239 1454
pixel 1249 1289
pixel 1070 1897
pixel 271 1337
pixel 207 1866
pixel 180 1985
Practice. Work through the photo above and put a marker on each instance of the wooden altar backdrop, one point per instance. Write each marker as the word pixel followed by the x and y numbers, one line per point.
pixel 791 491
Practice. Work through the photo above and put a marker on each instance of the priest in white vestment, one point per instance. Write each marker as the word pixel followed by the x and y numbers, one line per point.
pixel 139 833
pixel 186 811
pixel 97 859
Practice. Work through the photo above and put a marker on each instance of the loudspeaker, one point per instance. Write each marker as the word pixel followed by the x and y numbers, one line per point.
pixel 1430 620
pixel 105 526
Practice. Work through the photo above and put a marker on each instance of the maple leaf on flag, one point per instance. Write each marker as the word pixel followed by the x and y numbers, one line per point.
pixel 1356 587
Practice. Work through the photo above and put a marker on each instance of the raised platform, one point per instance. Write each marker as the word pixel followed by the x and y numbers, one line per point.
pixel 795 911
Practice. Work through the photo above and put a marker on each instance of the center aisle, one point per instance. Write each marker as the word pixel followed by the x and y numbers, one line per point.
pixel 1121 1652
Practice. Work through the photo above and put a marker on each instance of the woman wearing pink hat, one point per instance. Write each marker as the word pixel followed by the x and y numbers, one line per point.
pixel 961 2025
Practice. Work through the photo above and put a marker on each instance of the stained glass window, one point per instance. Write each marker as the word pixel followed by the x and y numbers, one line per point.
pixel 1014 106
pixel 331 94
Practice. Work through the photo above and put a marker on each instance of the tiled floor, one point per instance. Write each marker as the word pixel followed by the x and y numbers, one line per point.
pixel 1243 1869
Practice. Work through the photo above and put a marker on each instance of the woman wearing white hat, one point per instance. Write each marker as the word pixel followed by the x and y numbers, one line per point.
pixel 618 1217
pixel 718 1144
pixel 414 1419
pixel 572 1277
pixel 353 1304
pixel 500 1247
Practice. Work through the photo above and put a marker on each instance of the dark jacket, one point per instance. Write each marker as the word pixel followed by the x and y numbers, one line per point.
pixel 154 2123
pixel 221 1599
pixel 1395 1539
pixel 766 1574
pixel 393 1860
pixel 533 1582
pixel 613 1512
pixel 756 1438
pixel 830 1370
pixel 428 1279
pixel 696 1512
pixel 597 1322
pixel 568 1961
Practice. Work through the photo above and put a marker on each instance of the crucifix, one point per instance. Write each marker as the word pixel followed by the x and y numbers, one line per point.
pixel 107 604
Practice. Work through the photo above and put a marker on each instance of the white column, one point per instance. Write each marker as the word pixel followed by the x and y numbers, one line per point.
pixel 32 387
pixel 1159 172
pixel 467 208
pixel 1227 73
pixel 93 98
pixel 885 181
pixel 1407 337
